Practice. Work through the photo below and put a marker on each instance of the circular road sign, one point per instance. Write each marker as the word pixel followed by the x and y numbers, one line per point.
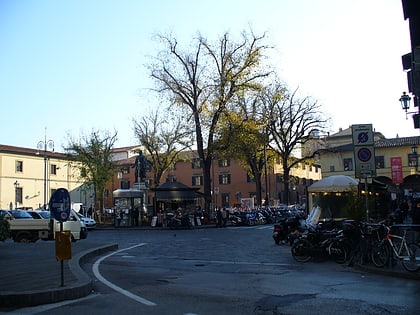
pixel 363 137
pixel 364 154
pixel 60 205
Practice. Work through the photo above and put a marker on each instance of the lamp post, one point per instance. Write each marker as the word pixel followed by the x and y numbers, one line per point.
pixel 405 104
pixel 16 184
pixel 44 145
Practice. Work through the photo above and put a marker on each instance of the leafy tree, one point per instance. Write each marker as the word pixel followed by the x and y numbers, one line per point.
pixel 244 137
pixel 4 229
pixel 93 152
pixel 206 81
pixel 163 137
pixel 291 122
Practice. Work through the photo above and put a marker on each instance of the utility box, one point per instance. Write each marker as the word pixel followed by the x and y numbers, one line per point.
pixel 63 245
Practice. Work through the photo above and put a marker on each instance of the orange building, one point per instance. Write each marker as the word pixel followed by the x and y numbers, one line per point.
pixel 230 183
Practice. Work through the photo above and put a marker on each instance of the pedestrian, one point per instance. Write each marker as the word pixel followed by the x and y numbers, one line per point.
pixel 415 217
pixel 90 211
pixel 136 216
pixel 81 210
pixel 224 217
pixel 218 218
pixel 404 208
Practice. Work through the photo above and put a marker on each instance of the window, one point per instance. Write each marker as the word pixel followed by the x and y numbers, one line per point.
pixel 197 180
pixel 125 170
pixel 196 163
pixel 348 164
pixel 224 163
pixel 225 199
pixel 125 184
pixel 412 160
pixel 380 161
pixel 332 168
pixel 224 179
pixel 53 170
pixel 19 166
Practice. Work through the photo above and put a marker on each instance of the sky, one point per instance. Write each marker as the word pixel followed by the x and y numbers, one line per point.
pixel 69 67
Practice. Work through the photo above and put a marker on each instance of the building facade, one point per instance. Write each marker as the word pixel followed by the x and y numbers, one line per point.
pixel 230 181
pixel 396 165
pixel 28 177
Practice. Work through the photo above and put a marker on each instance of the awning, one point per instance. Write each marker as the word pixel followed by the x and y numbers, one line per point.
pixel 336 183
pixel 175 191
pixel 176 195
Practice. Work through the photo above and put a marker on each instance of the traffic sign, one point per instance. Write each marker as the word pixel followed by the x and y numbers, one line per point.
pixel 60 205
pixel 364 152
pixel 362 134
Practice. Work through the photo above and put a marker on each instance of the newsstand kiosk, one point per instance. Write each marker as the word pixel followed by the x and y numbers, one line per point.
pixel 125 202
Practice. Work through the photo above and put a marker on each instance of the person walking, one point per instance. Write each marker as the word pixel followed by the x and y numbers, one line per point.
pixel 136 216
pixel 415 217
pixel 224 217
pixel 404 207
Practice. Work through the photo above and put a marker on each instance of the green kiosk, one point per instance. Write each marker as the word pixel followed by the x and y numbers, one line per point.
pixel 128 204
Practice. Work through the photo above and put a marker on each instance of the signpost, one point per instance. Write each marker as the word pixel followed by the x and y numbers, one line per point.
pixel 364 155
pixel 59 206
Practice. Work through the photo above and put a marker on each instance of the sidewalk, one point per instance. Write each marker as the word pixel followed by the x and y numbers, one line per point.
pixel 37 281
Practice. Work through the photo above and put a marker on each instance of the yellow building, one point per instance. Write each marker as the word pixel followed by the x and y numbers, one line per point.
pixel 396 163
pixel 28 177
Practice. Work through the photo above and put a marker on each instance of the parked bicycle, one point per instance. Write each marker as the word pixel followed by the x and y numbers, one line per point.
pixel 393 245
pixel 321 244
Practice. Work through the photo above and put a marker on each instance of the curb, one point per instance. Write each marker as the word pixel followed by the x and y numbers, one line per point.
pixel 389 272
pixel 81 288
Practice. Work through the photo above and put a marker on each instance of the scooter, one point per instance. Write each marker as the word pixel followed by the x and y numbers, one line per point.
pixel 284 231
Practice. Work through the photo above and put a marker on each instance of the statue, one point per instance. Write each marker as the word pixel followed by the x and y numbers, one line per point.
pixel 141 167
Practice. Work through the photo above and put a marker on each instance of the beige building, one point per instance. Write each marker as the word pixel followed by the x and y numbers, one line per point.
pixel 396 162
pixel 28 177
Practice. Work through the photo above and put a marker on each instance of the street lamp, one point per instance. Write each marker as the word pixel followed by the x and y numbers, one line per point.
pixel 45 145
pixel 16 184
pixel 405 102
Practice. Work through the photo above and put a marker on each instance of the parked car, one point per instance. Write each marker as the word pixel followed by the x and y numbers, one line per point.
pixel 20 214
pixel 89 222
pixel 40 214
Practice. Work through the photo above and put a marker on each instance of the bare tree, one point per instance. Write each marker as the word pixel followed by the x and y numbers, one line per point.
pixel 206 80
pixel 96 167
pixel 291 121
pixel 164 137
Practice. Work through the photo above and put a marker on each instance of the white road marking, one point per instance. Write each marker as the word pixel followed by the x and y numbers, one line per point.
pixel 128 294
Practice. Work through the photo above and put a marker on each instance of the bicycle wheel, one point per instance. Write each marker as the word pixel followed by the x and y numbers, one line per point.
pixel 411 260
pixel 301 250
pixel 380 254
pixel 338 252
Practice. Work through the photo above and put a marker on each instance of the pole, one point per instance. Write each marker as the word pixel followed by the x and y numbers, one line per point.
pixel 62 260
pixel 45 177
pixel 44 146
pixel 366 199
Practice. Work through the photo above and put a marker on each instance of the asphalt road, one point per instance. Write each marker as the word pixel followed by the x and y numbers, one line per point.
pixel 234 270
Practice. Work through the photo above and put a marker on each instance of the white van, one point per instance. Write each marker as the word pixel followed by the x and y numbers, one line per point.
pixel 30 230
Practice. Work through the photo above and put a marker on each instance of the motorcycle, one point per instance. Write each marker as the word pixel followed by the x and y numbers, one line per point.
pixel 287 229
